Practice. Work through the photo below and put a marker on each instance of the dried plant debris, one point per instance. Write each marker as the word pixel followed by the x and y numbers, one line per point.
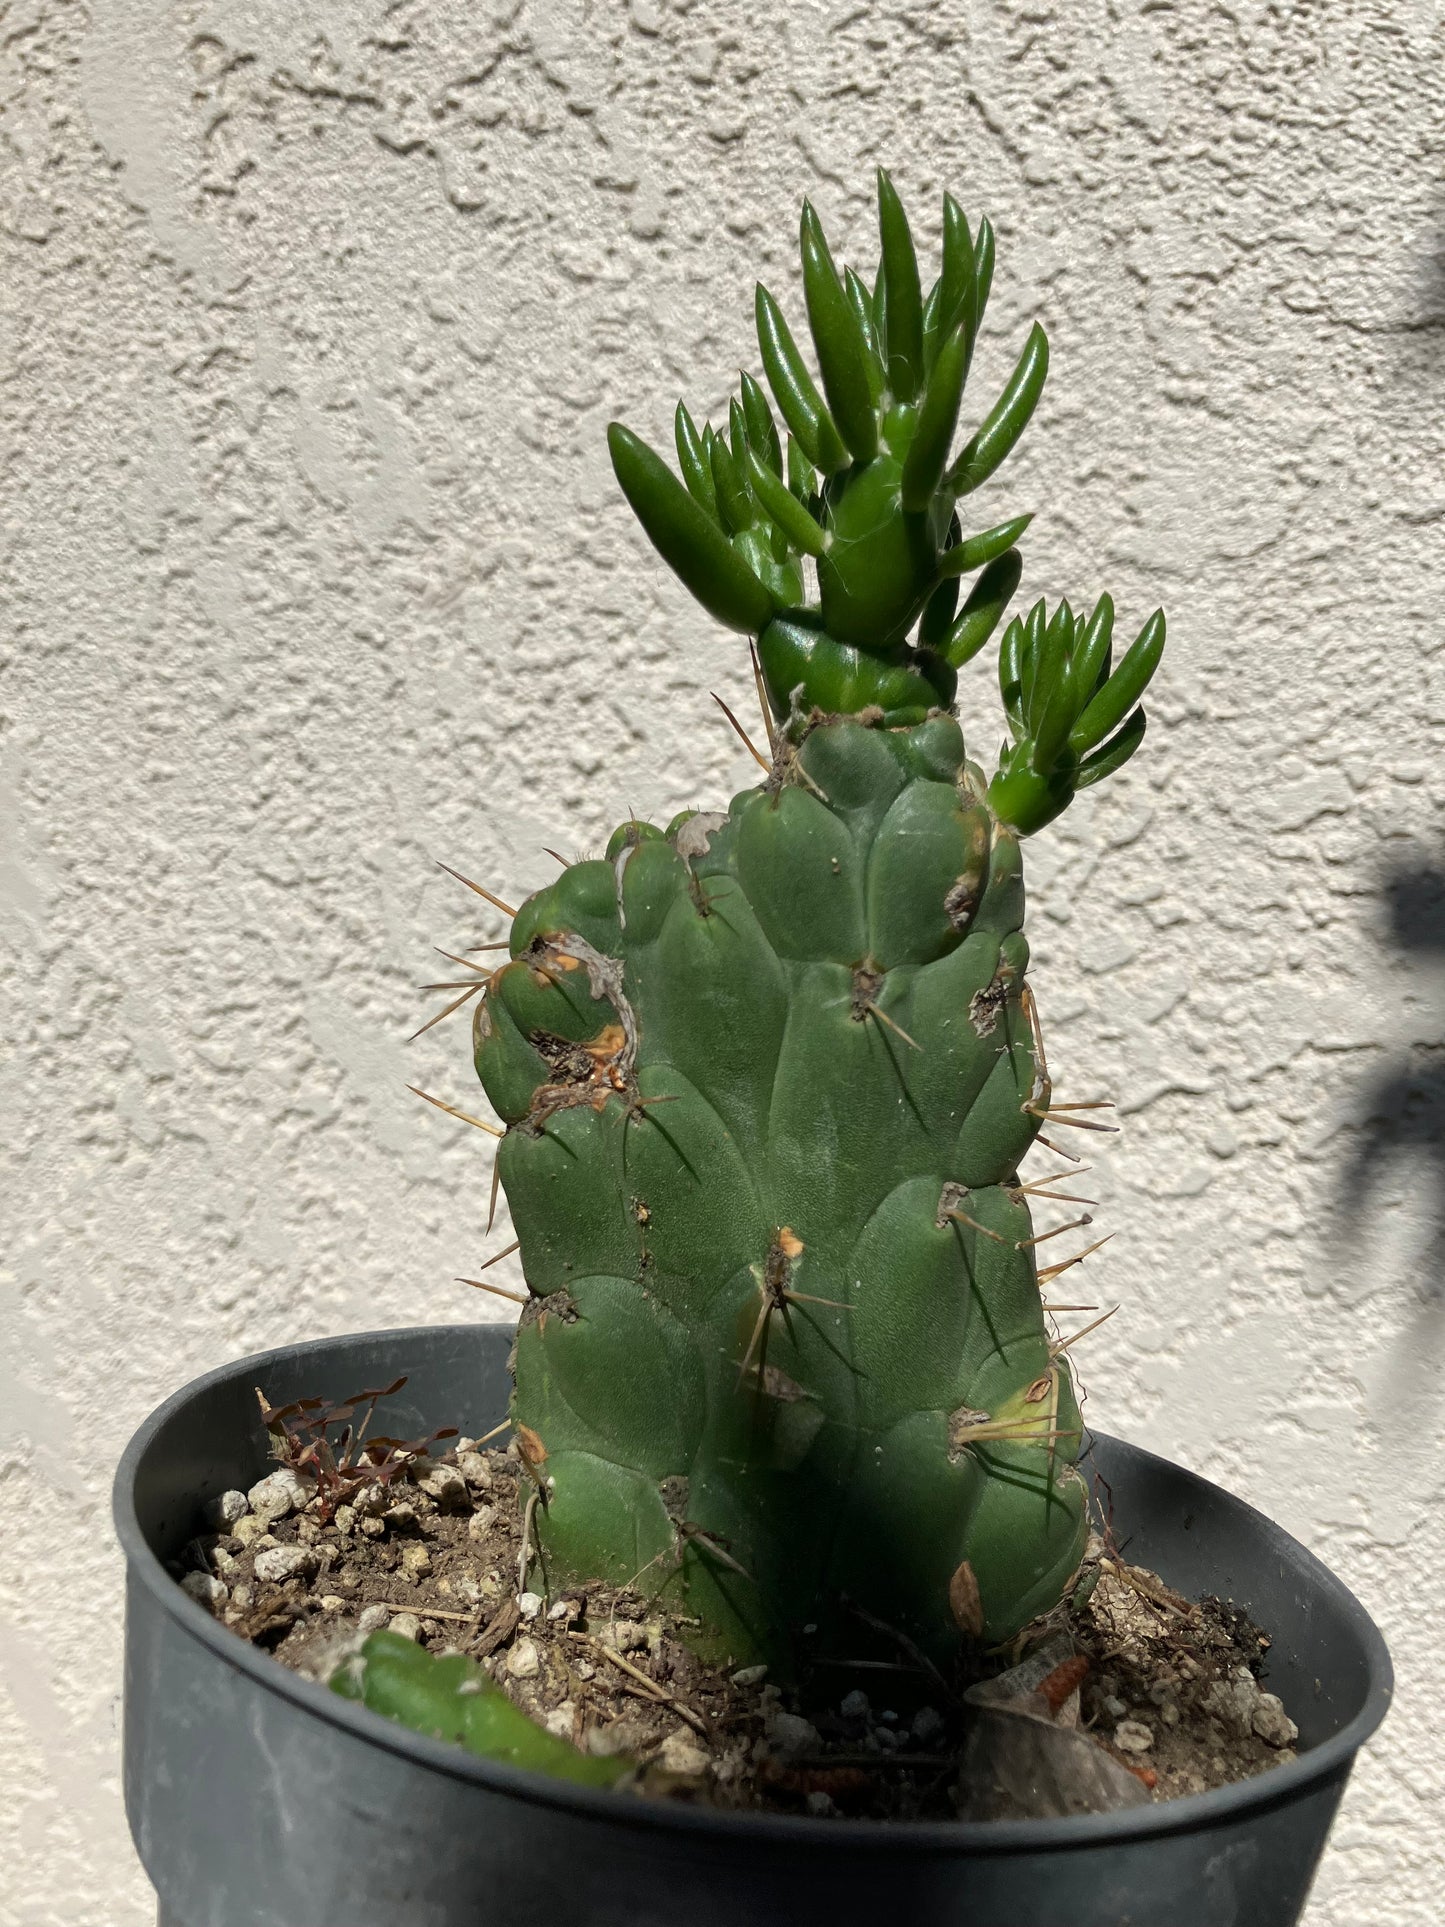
pixel 300 1435
pixel 1126 1693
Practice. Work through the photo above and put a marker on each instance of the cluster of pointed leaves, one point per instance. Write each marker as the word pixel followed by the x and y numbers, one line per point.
pixel 865 484
pixel 862 483
pixel 1074 718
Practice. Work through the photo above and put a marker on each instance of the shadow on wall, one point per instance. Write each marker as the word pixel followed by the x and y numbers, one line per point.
pixel 1398 1161
pixel 1403 1111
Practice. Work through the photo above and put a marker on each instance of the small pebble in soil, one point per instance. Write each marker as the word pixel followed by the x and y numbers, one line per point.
pixel 480 1524
pixel 680 1753
pixel 277 1564
pixel 624 1636
pixel 560 1719
pixel 401 1517
pixel 208 1591
pixel 405 1625
pixel 373 1618
pixel 524 1661
pixel 280 1493
pixel 529 1604
pixel 415 1562
pixel 445 1485
pixel 475 1470
pixel 749 1676
pixel 1270 1721
pixel 222 1512
pixel 856 1706
pixel 1133 1736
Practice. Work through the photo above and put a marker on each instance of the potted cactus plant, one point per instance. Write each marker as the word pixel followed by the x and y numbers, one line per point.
pixel 765 1080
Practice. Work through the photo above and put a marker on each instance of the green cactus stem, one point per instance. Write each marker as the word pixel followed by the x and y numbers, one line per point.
pixel 766 1076
pixel 767 1079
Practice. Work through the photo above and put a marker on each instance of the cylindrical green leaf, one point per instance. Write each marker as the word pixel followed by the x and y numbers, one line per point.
pixel 1010 675
pixel 802 406
pixel 1115 753
pixel 1092 654
pixel 982 272
pixel 904 298
pixel 979 616
pixel 733 501
pixel 1058 706
pixel 863 308
pixel 785 509
pixel 1008 418
pixel 737 431
pixel 762 429
pixel 685 537
pixel 930 328
pixel 979 549
pixel 692 460
pixel 1051 666
pixel 1033 649
pixel 957 302
pixel 927 456
pixel 842 352
pixel 1123 689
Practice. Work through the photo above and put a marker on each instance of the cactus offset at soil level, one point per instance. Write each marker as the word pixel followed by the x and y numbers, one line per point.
pixel 767 1076
pixel 451 1698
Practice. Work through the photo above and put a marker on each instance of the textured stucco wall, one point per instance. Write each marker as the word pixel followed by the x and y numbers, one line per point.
pixel 314 571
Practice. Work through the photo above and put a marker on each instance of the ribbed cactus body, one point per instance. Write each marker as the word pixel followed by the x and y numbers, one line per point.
pixel 767 1080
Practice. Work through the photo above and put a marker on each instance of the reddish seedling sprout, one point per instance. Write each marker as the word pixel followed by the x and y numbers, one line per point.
pixel 320 1441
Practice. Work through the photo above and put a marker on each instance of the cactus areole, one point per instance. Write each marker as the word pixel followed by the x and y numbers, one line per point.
pixel 767 1075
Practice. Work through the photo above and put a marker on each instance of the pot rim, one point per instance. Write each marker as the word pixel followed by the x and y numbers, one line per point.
pixel 1191 1812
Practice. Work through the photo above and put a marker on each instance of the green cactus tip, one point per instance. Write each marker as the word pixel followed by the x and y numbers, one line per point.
pixel 866 493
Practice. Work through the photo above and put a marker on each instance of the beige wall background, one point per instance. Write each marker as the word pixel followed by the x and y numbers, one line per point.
pixel 314 572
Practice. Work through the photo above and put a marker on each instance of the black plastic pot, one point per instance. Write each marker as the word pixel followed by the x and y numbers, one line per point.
pixel 258 1799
